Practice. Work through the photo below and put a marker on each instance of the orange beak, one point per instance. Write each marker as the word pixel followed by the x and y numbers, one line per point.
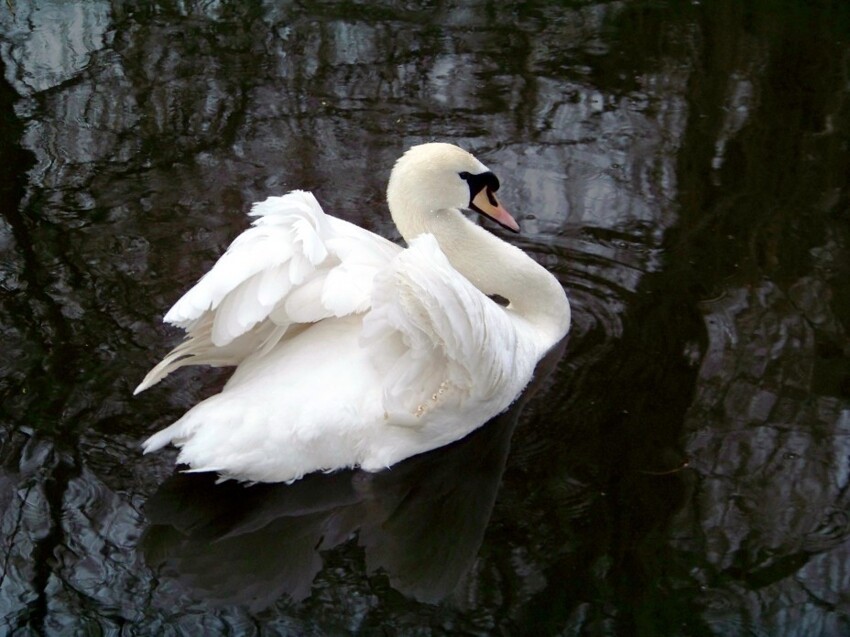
pixel 486 203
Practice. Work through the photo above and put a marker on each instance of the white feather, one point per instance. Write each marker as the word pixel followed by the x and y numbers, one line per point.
pixel 304 304
pixel 349 350
pixel 290 249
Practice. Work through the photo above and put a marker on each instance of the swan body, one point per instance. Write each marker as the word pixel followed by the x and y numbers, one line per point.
pixel 350 350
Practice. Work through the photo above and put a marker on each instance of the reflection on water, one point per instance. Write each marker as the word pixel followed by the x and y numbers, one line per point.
pixel 420 523
pixel 681 167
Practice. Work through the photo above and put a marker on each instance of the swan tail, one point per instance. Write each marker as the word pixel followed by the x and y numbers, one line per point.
pixel 197 349
pixel 160 439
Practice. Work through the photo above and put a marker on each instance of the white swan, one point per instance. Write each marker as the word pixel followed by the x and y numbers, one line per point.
pixel 350 350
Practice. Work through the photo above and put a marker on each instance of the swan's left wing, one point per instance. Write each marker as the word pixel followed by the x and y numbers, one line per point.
pixel 437 340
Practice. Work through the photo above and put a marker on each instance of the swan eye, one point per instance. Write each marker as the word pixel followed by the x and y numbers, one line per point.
pixel 480 182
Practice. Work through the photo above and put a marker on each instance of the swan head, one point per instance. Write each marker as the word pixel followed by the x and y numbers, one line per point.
pixel 435 177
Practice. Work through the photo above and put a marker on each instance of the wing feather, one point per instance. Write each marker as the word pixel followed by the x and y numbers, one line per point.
pixel 304 304
pixel 274 285
pixel 294 264
pixel 455 340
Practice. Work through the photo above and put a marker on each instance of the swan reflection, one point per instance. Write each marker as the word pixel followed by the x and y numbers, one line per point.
pixel 421 522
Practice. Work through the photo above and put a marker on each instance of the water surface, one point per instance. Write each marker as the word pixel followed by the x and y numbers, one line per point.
pixel 680 466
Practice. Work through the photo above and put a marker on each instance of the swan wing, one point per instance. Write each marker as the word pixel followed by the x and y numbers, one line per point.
pixel 295 264
pixel 437 340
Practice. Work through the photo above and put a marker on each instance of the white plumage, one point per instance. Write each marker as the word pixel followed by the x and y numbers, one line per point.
pixel 350 350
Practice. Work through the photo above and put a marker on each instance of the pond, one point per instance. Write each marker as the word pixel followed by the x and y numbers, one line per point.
pixel 679 466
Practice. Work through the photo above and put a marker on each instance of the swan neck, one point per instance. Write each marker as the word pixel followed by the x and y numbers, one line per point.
pixel 496 268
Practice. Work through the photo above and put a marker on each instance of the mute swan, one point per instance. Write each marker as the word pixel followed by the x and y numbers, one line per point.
pixel 350 350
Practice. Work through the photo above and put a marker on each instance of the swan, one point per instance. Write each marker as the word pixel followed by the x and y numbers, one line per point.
pixel 351 351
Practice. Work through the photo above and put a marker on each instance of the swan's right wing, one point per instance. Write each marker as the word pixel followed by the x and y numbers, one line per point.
pixel 294 265
pixel 437 340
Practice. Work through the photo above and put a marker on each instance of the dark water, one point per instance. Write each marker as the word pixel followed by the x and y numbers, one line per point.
pixel 682 467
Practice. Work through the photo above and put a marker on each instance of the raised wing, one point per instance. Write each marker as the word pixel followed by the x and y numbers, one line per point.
pixel 437 339
pixel 294 265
